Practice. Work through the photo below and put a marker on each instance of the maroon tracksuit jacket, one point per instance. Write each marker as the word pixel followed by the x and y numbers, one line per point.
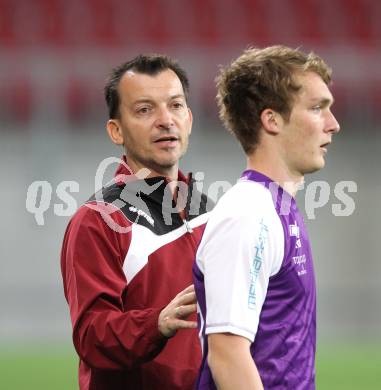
pixel 126 253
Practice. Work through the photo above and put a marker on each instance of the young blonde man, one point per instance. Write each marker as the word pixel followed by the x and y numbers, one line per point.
pixel 253 272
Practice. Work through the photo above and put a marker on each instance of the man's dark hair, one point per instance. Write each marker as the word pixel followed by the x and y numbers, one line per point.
pixel 151 64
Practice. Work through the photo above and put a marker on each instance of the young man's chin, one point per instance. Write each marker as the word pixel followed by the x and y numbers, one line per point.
pixel 316 167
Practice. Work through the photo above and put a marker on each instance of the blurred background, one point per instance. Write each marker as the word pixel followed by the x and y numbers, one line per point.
pixel 55 56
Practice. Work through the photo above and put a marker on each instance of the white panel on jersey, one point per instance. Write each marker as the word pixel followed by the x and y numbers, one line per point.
pixel 242 246
pixel 145 242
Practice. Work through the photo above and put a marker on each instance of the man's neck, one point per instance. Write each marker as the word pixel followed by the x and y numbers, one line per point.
pixel 171 173
pixel 274 168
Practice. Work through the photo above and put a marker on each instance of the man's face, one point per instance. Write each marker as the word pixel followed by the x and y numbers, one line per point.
pixel 155 121
pixel 311 125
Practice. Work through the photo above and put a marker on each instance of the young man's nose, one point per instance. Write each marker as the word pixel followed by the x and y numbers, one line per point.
pixel 332 124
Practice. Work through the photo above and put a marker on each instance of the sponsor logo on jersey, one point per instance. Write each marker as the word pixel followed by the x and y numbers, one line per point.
pixel 256 264
pixel 143 214
pixel 300 263
pixel 295 232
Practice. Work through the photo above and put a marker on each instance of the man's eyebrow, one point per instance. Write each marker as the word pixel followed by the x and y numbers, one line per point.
pixel 179 95
pixel 144 100
pixel 323 101
pixel 150 100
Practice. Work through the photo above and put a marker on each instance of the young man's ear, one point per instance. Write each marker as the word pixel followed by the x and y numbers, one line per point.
pixel 114 131
pixel 271 121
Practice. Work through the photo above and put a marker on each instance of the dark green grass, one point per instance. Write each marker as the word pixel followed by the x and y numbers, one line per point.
pixel 338 367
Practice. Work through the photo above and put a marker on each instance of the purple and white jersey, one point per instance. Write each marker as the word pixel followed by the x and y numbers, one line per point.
pixel 254 277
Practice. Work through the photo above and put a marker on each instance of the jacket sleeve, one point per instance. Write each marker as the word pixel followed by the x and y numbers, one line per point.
pixel 105 335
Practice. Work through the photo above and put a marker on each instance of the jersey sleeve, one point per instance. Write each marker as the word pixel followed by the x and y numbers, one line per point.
pixel 105 335
pixel 240 251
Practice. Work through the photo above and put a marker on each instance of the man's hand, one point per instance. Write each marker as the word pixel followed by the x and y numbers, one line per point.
pixel 173 316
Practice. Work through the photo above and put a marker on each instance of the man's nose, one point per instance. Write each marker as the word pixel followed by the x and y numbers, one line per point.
pixel 164 118
pixel 332 124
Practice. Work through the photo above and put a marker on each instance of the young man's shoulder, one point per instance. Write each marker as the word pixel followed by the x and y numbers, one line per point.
pixel 245 197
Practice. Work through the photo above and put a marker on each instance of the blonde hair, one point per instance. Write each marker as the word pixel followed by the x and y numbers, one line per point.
pixel 260 79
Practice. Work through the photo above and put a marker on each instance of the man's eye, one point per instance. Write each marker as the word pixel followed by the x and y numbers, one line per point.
pixel 143 110
pixel 178 105
pixel 316 108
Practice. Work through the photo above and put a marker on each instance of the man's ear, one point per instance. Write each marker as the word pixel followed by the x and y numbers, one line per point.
pixel 271 121
pixel 114 131
pixel 190 120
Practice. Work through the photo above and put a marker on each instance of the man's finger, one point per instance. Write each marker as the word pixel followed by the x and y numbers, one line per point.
pixel 185 310
pixel 187 298
pixel 182 324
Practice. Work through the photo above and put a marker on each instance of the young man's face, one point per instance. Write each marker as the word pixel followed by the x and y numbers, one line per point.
pixel 155 121
pixel 311 125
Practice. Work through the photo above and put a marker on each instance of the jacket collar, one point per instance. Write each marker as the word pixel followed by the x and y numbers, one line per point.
pixel 124 174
